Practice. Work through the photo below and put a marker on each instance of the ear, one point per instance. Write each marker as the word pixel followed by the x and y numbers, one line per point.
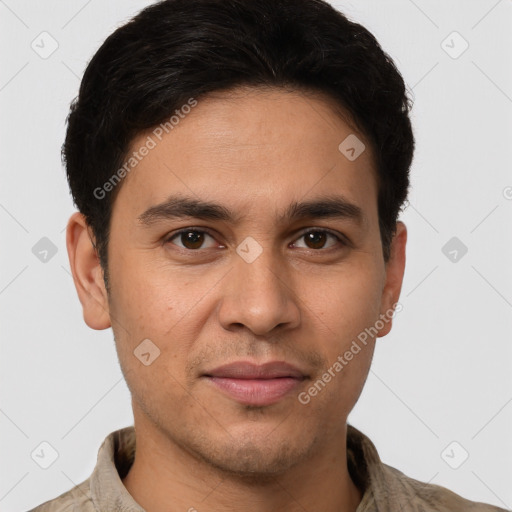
pixel 87 273
pixel 395 268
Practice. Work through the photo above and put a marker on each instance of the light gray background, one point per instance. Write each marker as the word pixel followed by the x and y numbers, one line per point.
pixel 444 372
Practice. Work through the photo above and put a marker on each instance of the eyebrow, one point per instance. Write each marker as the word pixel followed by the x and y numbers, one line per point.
pixel 175 207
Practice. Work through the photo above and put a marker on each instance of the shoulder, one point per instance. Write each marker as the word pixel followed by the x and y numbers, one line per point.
pixel 77 499
pixel 424 497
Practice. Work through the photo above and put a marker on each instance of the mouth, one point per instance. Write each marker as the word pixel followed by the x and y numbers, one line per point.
pixel 256 385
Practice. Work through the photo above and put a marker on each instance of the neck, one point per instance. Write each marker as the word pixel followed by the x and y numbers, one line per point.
pixel 167 478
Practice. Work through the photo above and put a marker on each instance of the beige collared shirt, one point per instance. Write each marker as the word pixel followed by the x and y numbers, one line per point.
pixel 385 489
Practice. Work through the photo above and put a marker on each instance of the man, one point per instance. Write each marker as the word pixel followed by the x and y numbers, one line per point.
pixel 239 168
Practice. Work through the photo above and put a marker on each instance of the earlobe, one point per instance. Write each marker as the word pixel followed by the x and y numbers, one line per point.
pixel 87 273
pixel 395 268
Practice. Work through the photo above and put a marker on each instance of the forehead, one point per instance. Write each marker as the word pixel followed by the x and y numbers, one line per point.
pixel 252 150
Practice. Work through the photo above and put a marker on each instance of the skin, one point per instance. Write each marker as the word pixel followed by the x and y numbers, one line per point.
pixel 253 151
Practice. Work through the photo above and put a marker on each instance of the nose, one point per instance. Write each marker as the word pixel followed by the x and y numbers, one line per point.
pixel 258 295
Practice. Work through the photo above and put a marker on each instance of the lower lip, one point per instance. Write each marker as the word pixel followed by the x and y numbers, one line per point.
pixel 257 392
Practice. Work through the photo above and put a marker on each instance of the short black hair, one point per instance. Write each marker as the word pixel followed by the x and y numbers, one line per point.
pixel 175 50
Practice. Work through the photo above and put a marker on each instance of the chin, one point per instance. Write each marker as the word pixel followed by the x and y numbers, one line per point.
pixel 257 460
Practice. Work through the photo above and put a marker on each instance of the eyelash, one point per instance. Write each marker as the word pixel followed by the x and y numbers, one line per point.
pixel 311 230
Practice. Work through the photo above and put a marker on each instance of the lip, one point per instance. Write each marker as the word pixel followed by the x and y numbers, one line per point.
pixel 253 384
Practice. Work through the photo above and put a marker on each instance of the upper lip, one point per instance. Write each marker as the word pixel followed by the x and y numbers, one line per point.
pixel 248 370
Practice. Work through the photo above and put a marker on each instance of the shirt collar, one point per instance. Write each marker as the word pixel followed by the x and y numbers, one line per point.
pixel 115 457
pixel 117 453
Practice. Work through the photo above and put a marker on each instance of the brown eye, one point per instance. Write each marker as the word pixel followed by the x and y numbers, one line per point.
pixel 316 239
pixel 191 239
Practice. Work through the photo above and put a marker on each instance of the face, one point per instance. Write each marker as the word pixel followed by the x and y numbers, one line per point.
pixel 276 277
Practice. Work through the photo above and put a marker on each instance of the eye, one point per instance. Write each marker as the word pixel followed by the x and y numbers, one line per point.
pixel 191 239
pixel 316 239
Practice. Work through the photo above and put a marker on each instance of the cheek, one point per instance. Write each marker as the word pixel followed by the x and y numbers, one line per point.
pixel 149 301
pixel 152 338
pixel 346 303
pixel 348 350
pixel 159 391
pixel 167 307
pixel 336 391
pixel 345 306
